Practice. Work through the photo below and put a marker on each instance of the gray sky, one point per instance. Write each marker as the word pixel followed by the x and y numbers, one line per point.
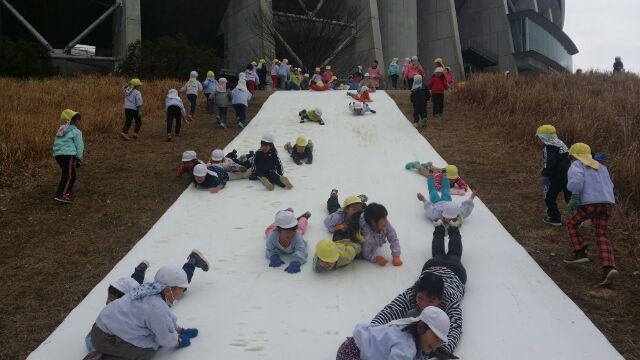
pixel 603 30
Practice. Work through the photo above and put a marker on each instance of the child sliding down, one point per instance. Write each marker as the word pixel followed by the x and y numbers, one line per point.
pixel 457 186
pixel 303 149
pixel 284 237
pixel 331 255
pixel 441 209
pixel 362 95
pixel 267 166
pixel 377 230
pixel 360 108
pixel 311 115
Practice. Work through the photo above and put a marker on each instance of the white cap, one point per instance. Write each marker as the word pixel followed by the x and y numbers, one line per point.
pixel 173 94
pixel 189 155
pixel 222 80
pixel 306 75
pixel 200 170
pixel 242 76
pixel 125 284
pixel 194 74
pixel 285 219
pixel 358 105
pixel 172 276
pixel 438 70
pixel 450 210
pixel 366 74
pixel 364 88
pixel 437 320
pixel 414 57
pixel 319 111
pixel 268 138
pixel 217 155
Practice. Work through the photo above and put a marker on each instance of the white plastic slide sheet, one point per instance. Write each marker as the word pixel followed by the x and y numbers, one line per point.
pixel 246 310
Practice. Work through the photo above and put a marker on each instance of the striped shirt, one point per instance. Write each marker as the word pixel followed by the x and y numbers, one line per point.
pixel 405 303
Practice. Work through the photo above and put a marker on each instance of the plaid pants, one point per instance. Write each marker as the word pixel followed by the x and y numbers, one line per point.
pixel 599 215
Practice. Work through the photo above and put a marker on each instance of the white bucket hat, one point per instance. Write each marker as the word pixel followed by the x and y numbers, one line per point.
pixel 200 170
pixel 268 138
pixel 125 284
pixel 285 219
pixel 189 155
pixel 217 155
pixel 172 276
pixel 437 320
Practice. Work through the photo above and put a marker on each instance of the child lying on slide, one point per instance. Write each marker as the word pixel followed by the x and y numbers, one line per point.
pixel 457 186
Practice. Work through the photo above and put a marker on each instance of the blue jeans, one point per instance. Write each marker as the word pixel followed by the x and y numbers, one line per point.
pixel 434 197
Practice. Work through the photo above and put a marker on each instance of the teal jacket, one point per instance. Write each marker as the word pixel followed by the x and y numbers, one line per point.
pixel 394 69
pixel 70 143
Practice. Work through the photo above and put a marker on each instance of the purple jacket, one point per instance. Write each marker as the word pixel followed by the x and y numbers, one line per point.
pixel 334 219
pixel 594 186
pixel 375 239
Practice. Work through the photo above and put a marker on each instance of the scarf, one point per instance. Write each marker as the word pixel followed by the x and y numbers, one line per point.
pixel 146 289
pixel 222 85
pixel 587 160
pixel 242 85
pixel 417 82
pixel 62 129
pixel 553 140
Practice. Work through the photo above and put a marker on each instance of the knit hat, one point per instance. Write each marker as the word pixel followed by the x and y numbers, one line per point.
pixel 210 73
pixel 437 320
pixel 546 130
pixel 318 111
pixel 302 141
pixel 189 155
pixel 217 155
pixel 582 152
pixel 173 94
pixel 450 210
pixel 452 172
pixel 124 285
pixel 171 276
pixel 350 200
pixel 268 138
pixel 67 115
pixel 285 219
pixel 200 170
pixel 327 251
pixel 438 70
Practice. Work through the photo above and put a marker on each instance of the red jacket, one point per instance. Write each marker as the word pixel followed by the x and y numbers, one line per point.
pixel 413 70
pixel 438 85
pixel 438 179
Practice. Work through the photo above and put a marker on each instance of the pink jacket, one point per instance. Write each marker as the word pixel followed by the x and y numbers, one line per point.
pixel 375 75
pixel 413 70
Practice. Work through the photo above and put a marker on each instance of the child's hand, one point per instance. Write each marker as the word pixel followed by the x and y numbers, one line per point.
pixel 380 260
pixel 341 227
pixel 215 190
pixel 421 197
pixel 396 261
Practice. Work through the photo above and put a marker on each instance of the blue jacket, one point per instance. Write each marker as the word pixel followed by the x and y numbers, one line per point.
pixel 209 85
pixel 594 186
pixel 70 143
pixel 384 342
pixel 297 248
pixel 240 97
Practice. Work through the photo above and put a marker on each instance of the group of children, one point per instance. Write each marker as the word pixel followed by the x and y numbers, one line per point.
pixel 440 81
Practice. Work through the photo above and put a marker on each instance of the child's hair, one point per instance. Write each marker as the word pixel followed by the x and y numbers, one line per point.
pixel 413 330
pixel 374 212
pixel 249 66
pixel 273 147
pixel 354 225
pixel 431 284
pixel 115 292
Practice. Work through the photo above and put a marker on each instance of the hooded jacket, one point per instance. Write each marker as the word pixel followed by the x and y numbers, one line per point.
pixel 192 87
pixel 394 69
pixel 556 158
pixel 132 99
pixel 209 85
pixel 413 70
pixel 297 248
pixel 265 162
pixel 70 143
pixel 438 84
pixel 594 186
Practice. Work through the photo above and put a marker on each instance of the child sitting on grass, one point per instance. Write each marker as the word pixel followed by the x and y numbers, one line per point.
pixel 285 237
pixel 360 108
pixel 362 95
pixel 189 160
pixel 411 338
pixel 377 230
pixel 213 179
pixel 267 166
pixel 302 150
pixel 314 115
pixel 457 186
pixel 331 255
pixel 234 170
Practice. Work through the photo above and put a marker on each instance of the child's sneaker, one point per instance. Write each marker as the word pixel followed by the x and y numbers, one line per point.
pixel 288 148
pixel 144 265
pixel 266 183
pixel 577 257
pixel 334 193
pixel 306 214
pixel 415 125
pixel 201 262
pixel 124 136
pixel 135 135
pixel 233 154
pixel 363 197
pixel 321 122
pixel 423 122
pixel 547 220
pixel 286 182
pixel 63 199
pixel 240 124
pixel 168 138
pixel 608 274
pixel 301 120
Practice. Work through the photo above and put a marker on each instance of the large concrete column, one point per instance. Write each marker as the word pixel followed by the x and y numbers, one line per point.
pixel 399 28
pixel 127 27
pixel 240 26
pixel 368 44
pixel 438 35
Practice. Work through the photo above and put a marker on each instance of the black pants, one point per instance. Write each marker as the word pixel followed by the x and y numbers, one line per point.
pixel 394 81
pixel 409 83
pixel 138 275
pixel 419 111
pixel 438 103
pixel 130 114
pixel 189 268
pixel 273 177
pixel 450 259
pixel 174 113
pixel 551 194
pixel 241 112
pixel 68 166
pixel 333 204
pixel 193 102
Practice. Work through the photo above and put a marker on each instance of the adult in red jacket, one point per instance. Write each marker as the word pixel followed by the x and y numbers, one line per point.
pixel 375 74
pixel 438 85
pixel 414 68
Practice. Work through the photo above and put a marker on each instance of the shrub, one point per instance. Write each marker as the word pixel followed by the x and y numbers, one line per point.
pixel 22 59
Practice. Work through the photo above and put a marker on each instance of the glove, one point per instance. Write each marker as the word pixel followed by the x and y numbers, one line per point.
pixel 573 203
pixel 600 157
pixel 275 261
pixel 341 227
pixel 183 341
pixel 373 111
pixel 381 260
pixel 294 267
pixel 396 261
pixel 78 163
pixel 191 332
pixel 309 161
pixel 546 181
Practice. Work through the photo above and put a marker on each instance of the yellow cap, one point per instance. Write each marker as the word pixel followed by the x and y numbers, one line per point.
pixel 328 67
pixel 580 149
pixel 437 60
pixel 67 115
pixel 317 69
pixel 135 82
pixel 302 141
pixel 319 83
pixel 254 63
pixel 210 73
pixel 334 78
pixel 452 172
pixel 546 130
pixel 350 200
pixel 274 61
pixel 327 251
pixel 262 61
pixel 396 59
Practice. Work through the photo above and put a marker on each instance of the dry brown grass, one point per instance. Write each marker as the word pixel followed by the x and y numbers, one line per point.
pixel 32 111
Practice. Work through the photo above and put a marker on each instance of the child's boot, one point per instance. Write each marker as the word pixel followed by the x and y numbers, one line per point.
pixel 199 260
pixel 266 183
pixel 286 182
pixel 124 136
pixel 288 148
pixel 168 138
pixel 423 122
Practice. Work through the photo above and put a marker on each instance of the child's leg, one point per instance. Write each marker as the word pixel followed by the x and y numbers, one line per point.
pixel 177 114
pixel 274 178
pixel 455 242
pixel 445 189
pixel 434 197
pixel 302 225
pixel 73 175
pixel 550 195
pixel 169 120
pixel 416 113
pixel 192 101
pixel 223 115
pixel 333 204
pixel 128 116
pixel 269 229
pixel 66 164
pixel 576 241
pixel 139 273
pixel 599 225
pixel 348 350
pixel 441 104
pixel 437 244
pixel 138 120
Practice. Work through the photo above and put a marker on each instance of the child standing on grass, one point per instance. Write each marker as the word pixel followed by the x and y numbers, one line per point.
pixel 132 108
pixel 250 77
pixel 283 74
pixel 222 98
pixel 285 237
pixel 240 98
pixel 438 85
pixel 554 172
pixel 261 70
pixel 189 160
pixel 68 150
pixel 377 230
pixel 327 75
pixel 175 112
pixel 209 85
pixel 419 98
pixel 394 72
pixel 192 88
pixel 209 178
pixel 592 198
pixel 267 166
pixel 314 115
pixel 331 255
pixel 303 149
pixel 274 74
